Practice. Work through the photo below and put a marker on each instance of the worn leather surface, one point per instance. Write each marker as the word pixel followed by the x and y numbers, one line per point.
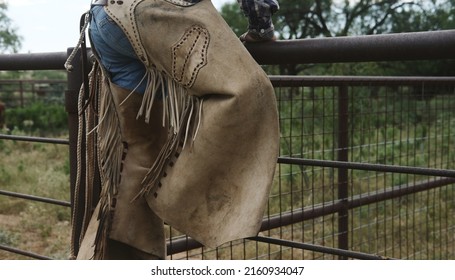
pixel 132 222
pixel 217 188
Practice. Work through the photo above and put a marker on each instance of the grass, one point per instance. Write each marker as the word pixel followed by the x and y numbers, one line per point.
pixel 40 170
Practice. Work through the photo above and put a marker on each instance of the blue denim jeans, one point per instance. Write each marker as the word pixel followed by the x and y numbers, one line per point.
pixel 115 52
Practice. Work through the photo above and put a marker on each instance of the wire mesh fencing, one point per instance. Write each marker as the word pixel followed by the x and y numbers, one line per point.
pixel 365 167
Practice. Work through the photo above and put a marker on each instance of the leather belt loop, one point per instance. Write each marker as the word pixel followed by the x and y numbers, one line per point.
pixel 99 2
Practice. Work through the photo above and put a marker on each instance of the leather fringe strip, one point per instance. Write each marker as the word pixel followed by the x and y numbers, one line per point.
pixel 181 114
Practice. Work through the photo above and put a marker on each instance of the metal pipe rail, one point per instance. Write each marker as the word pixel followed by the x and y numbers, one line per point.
pixel 318 248
pixel 370 167
pixel 35 139
pixel 336 81
pixel 36 198
pixel 183 244
pixel 23 253
pixel 384 47
pixel 33 61
pixel 309 213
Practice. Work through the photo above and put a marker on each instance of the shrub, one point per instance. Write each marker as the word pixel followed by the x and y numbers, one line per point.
pixel 37 118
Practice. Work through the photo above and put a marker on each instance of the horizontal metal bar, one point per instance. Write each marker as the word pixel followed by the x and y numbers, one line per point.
pixel 318 248
pixel 35 139
pixel 384 47
pixel 309 213
pixel 293 81
pixel 23 253
pixel 369 167
pixel 184 243
pixel 36 198
pixel 32 81
pixel 289 81
pixel 397 191
pixel 33 61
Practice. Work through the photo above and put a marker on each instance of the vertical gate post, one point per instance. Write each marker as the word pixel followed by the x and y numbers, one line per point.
pixel 343 177
pixel 71 104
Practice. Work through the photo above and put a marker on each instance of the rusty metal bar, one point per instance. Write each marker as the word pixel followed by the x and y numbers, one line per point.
pixel 370 167
pixel 342 253
pixel 293 81
pixel 343 175
pixel 23 253
pixel 313 212
pixel 33 61
pixel 384 47
pixel 36 198
pixel 32 81
pixel 184 244
pixel 35 139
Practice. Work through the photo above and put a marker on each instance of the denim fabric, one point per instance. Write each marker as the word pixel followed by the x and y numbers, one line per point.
pixel 118 56
pixel 259 13
pixel 115 51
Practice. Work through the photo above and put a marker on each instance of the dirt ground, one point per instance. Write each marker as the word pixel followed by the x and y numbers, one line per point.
pixel 12 234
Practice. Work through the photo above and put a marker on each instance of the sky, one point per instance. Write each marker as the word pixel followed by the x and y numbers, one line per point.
pixel 51 25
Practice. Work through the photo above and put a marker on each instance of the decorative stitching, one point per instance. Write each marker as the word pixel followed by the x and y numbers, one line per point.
pixel 196 50
pixel 134 37
pixel 141 55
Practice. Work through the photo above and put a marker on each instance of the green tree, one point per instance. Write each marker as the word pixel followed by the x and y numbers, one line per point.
pixel 234 17
pixel 9 40
pixel 425 16
pixel 300 19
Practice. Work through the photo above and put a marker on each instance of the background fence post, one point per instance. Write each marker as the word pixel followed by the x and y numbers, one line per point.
pixel 343 177
pixel 71 105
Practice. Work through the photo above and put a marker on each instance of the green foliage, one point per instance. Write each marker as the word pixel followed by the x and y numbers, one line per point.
pixel 46 74
pixel 10 75
pixel 237 21
pixel 5 176
pixel 38 118
pixel 7 238
pixel 9 40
